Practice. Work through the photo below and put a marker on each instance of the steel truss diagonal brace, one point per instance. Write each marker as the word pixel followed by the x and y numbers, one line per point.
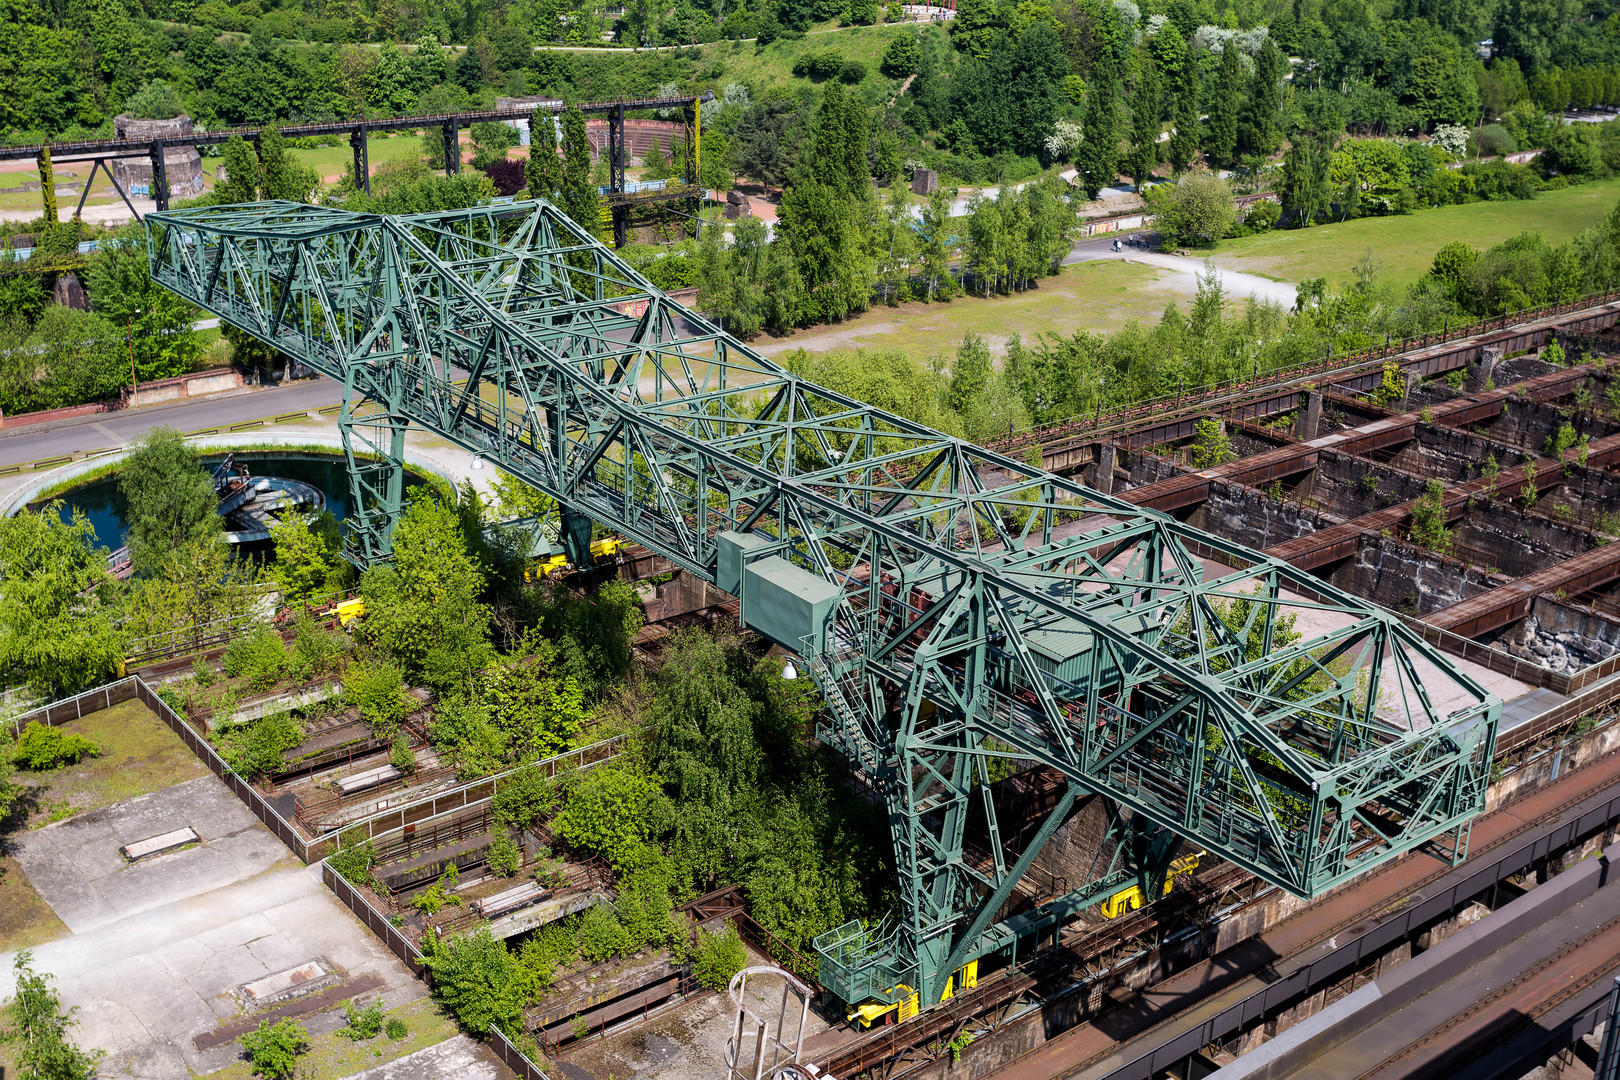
pixel 954 606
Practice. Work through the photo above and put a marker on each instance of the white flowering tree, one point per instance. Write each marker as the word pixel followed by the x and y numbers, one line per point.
pixel 1452 138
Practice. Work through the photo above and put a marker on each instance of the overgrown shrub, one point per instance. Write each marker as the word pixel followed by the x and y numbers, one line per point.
pixel 401 756
pixel 718 956
pixel 822 64
pixel 548 949
pixel 353 860
pixel 377 689
pixel 396 1028
pixel 258 656
pixel 258 747
pixel 40 747
pixel 203 673
pixel 504 856
pixel 274 1048
pixel 363 1023
pixel 524 798
pixel 316 650
pixel 600 934
pixel 476 977
pixel 438 896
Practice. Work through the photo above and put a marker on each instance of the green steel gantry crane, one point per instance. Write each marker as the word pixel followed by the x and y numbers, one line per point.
pixel 952 605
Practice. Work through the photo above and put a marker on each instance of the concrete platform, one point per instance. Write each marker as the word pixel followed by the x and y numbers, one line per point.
pixel 157 947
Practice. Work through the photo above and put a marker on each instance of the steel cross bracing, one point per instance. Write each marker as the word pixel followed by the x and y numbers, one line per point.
pixel 979 608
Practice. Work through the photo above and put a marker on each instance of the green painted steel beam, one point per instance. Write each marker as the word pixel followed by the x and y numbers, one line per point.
pixel 983 609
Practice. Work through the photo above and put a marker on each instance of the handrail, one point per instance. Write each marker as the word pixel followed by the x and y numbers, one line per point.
pixel 1188 397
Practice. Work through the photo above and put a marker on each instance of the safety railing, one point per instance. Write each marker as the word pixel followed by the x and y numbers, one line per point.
pixel 1193 396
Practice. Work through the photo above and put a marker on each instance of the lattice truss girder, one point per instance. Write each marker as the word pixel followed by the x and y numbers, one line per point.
pixel 1182 696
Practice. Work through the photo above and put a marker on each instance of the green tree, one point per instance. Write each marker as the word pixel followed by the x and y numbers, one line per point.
pixel 1197 209
pixel 241 183
pixel 1184 139
pixel 476 977
pixel 1262 116
pixel 828 210
pixel 57 631
pixel 1225 108
pixel 971 372
pixel 171 498
pixel 280 174
pixel 1305 191
pixel 579 199
pixel 158 322
pixel 423 608
pixel 543 170
pixel 309 559
pixel 1097 163
pixel 155 100
pixel 37 1027
pixel 901 58
pixel 986 250
pixel 935 245
pixel 1144 153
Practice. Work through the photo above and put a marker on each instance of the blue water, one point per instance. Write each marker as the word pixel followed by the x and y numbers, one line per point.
pixel 103 503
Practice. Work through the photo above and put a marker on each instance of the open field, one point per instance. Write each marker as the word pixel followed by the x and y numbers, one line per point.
pixel 1406 245
pixel 1100 296
pixel 139 754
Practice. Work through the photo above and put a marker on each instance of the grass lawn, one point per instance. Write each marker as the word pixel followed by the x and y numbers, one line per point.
pixel 26 920
pixel 772 66
pixel 1101 296
pixel 332 1056
pixel 139 754
pixel 1406 245
pixel 332 160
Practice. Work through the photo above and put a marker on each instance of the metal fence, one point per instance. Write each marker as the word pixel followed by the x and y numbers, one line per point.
pixel 284 830
pixel 91 701
pixel 402 947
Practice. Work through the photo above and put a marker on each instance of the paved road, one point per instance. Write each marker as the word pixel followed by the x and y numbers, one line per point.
pixel 1236 283
pixel 107 431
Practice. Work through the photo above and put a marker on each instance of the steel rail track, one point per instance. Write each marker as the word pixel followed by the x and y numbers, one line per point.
pixel 880 1046
pixel 1511 986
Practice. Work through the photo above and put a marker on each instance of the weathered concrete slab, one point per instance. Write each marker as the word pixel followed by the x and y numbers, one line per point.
pixel 158 946
pixel 157 845
pixel 459 1057
pixel 288 982
pixel 348 785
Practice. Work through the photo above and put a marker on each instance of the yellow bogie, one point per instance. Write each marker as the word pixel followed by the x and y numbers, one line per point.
pixel 350 610
pixel 545 568
pixel 605 548
pixel 1130 899
pixel 1125 900
pixel 906 1003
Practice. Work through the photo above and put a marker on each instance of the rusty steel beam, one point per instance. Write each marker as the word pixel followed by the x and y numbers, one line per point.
pixel 1509 603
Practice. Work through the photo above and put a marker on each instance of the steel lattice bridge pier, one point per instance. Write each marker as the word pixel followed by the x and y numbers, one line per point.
pixel 953 606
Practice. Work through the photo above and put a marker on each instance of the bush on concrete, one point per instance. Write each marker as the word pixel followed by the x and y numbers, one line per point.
pixel 274 1048
pixel 718 956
